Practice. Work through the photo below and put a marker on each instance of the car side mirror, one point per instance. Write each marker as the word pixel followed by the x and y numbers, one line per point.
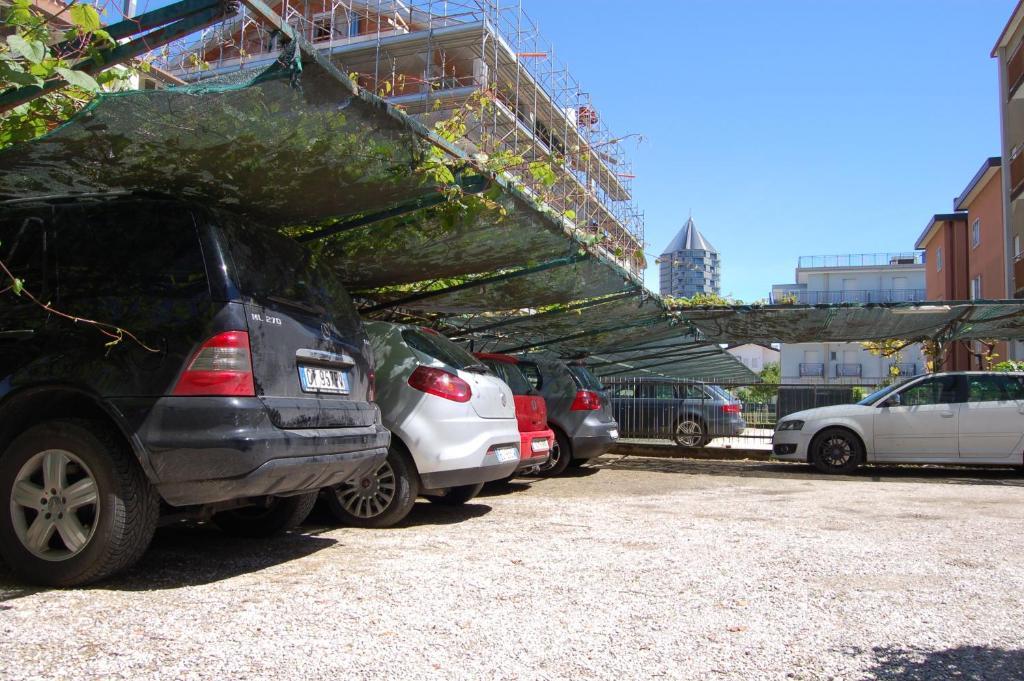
pixel 893 401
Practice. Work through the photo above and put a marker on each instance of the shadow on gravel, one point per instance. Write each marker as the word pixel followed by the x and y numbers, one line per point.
pixel 757 469
pixel 502 488
pixel 423 513
pixel 191 555
pixel 965 662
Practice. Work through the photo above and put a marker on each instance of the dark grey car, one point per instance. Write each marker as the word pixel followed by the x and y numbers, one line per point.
pixel 691 413
pixel 578 411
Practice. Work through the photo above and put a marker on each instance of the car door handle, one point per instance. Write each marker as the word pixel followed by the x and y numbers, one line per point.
pixel 946 414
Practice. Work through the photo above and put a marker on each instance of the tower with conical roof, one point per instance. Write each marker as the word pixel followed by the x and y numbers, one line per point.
pixel 689 265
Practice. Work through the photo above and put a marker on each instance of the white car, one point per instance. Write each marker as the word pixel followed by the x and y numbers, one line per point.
pixel 453 428
pixel 950 418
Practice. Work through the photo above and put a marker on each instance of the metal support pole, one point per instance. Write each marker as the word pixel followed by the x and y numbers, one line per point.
pixel 484 281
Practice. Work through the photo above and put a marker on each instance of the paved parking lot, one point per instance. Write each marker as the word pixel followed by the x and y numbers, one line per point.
pixel 636 567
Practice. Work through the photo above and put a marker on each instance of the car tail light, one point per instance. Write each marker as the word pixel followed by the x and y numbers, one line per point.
pixel 586 400
pixel 222 366
pixel 731 408
pixel 441 383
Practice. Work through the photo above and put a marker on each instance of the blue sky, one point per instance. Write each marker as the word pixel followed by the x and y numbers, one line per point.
pixel 790 127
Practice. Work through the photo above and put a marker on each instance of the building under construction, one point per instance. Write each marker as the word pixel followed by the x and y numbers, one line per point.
pixel 436 58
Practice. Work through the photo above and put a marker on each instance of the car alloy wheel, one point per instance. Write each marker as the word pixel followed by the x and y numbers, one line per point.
pixel 836 451
pixel 55 505
pixel 689 433
pixel 371 495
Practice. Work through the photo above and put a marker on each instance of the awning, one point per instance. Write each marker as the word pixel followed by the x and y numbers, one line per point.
pixel 942 321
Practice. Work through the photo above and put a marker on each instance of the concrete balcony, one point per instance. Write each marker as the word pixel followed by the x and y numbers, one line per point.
pixel 1018 274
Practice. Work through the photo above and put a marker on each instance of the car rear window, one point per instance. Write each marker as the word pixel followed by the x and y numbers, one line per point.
pixel 532 373
pixel 126 250
pixel 272 267
pixel 511 374
pixel 440 348
pixel 586 379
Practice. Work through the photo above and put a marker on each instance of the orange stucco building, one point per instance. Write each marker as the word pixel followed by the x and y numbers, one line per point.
pixel 965 256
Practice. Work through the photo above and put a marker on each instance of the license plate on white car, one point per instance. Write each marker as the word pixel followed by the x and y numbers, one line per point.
pixel 320 380
pixel 614 433
pixel 506 454
pixel 539 445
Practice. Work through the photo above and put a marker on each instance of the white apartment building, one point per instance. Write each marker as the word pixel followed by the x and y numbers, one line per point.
pixel 754 355
pixel 858 278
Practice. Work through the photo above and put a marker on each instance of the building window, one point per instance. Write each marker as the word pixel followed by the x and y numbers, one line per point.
pixel 938 259
pixel 976 288
pixel 976 233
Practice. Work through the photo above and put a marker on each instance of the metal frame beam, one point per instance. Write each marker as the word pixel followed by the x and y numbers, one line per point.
pixel 473 184
pixel 178 20
pixel 466 333
pixel 679 350
pixel 582 334
pixel 677 360
pixel 484 281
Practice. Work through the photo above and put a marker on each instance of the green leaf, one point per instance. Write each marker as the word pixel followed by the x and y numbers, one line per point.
pixel 85 17
pixel 33 51
pixel 78 79
pixel 18 286
pixel 571 214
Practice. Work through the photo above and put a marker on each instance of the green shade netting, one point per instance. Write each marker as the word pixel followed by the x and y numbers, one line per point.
pixel 675 356
pixel 449 241
pixel 996 320
pixel 253 143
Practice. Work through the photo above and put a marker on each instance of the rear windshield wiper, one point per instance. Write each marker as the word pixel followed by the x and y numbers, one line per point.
pixel 306 307
pixel 477 368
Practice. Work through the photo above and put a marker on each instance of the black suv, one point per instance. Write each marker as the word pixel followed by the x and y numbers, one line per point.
pixel 253 391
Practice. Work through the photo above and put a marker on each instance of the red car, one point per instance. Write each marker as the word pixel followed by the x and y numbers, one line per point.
pixel 531 411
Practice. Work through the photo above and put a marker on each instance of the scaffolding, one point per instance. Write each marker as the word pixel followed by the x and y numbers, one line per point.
pixel 484 61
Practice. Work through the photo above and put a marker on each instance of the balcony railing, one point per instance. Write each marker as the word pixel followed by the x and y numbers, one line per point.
pixel 1015 72
pixel 812 370
pixel 906 369
pixel 1016 174
pixel 861 260
pixel 846 370
pixel 891 295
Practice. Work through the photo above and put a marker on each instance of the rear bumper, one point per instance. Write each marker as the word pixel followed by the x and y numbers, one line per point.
pixel 202 450
pixel 468 476
pixel 594 439
pixel 528 457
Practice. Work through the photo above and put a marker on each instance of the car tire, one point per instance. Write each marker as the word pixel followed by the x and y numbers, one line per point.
pixel 280 515
pixel 457 496
pixel 836 450
pixel 107 525
pixel 690 432
pixel 561 455
pixel 378 499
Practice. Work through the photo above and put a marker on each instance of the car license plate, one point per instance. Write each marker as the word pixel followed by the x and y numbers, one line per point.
pixel 320 380
pixel 539 445
pixel 506 454
pixel 614 433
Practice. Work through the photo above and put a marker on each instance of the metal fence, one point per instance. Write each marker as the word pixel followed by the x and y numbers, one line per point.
pixel 699 414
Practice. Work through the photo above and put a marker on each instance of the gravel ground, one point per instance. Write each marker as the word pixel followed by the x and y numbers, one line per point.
pixel 637 568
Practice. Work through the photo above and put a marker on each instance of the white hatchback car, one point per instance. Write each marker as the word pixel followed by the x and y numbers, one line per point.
pixel 950 418
pixel 453 428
